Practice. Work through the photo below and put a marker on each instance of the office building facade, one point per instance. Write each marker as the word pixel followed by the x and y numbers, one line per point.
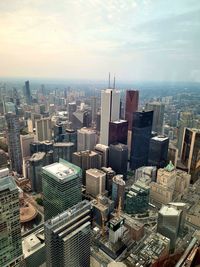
pixel 190 155
pixel 43 129
pixel 86 139
pixel 36 162
pixel 132 98
pixel 141 135
pixel 10 231
pixel 14 148
pixel 61 183
pixel 158 116
pixel 110 111
pixel 158 151
pixel 118 158
pixel 95 182
pixel 67 237
pixel 118 132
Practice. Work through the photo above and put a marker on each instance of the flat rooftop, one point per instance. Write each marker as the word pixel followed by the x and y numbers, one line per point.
pixel 7 183
pixel 169 211
pixel 62 170
pixel 37 156
pixel 95 172
pixel 160 138
pixel 67 144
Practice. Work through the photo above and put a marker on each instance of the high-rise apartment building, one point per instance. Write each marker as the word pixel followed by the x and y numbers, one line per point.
pixel 110 111
pixel 132 97
pixel 14 148
pixel 10 230
pixel 43 129
pixel 118 132
pixel 95 182
pixel 86 139
pixel 67 237
pixel 158 151
pixel 158 116
pixel 61 183
pixel 118 158
pixel 141 135
pixel 190 155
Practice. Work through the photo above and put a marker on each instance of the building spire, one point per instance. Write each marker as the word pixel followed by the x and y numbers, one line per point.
pixel 109 80
pixel 114 82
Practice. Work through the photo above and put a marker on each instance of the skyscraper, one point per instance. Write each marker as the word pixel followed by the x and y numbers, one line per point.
pixel 158 116
pixel 118 190
pixel 36 162
pixel 102 151
pixel 86 139
pixel 61 183
pixel 43 129
pixel 63 150
pixel 67 237
pixel 190 155
pixel 85 160
pixel 118 158
pixel 27 93
pixel 95 182
pixel 25 141
pixel 110 111
pixel 14 148
pixel 169 223
pixel 118 131
pixel 158 151
pixel 132 97
pixel 141 135
pixel 10 230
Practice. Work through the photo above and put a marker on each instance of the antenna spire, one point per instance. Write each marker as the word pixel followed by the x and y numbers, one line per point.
pixel 109 80
pixel 114 83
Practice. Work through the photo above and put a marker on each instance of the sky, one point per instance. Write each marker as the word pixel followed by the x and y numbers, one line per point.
pixel 137 40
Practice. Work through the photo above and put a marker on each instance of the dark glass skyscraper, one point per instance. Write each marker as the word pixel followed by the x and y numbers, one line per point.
pixel 141 135
pixel 158 151
pixel 118 158
pixel 118 132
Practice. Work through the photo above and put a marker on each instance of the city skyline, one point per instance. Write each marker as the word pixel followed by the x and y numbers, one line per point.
pixel 137 40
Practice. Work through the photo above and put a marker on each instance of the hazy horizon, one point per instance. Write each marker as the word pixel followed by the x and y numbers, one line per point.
pixel 138 40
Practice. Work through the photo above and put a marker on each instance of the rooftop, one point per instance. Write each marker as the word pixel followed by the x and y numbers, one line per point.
pixel 95 172
pixel 160 138
pixel 62 170
pixel 37 156
pixel 68 144
pixel 7 183
pixel 169 211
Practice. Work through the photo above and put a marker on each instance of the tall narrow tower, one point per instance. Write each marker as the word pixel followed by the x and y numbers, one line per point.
pixel 110 111
pixel 14 147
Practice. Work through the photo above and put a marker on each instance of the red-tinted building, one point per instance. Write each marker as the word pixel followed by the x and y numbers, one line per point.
pixel 132 98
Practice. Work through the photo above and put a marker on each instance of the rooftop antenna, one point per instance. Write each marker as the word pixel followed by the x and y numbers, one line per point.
pixel 109 80
pixel 114 83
